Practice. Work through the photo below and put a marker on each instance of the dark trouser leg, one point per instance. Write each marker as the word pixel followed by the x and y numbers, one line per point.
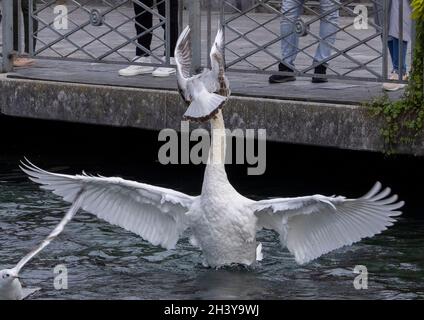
pixel 143 22
pixel 393 45
pixel 25 13
pixel 16 39
pixel 173 21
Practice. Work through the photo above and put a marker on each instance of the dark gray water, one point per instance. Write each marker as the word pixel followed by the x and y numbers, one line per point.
pixel 106 262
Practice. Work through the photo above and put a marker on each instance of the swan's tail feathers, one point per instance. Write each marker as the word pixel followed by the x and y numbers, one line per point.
pixel 204 107
pixel 259 255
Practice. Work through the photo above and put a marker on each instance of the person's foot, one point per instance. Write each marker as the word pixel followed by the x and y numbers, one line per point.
pixel 136 70
pixel 320 70
pixel 393 86
pixel 164 71
pixel 277 78
pixel 22 62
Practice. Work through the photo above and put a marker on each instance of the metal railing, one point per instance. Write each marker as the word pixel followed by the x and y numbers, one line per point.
pixel 260 35
pixel 107 31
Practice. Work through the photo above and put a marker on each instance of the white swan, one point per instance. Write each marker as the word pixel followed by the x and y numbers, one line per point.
pixel 222 222
pixel 10 286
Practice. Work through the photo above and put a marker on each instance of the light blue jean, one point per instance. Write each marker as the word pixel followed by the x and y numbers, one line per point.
pixel 292 10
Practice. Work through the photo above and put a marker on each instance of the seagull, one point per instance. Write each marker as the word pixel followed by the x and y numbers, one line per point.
pixel 10 285
pixel 220 221
pixel 207 92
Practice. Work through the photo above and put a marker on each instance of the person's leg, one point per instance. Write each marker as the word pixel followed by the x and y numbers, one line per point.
pixel 18 61
pixel 393 46
pixel 393 56
pixel 290 42
pixel 173 23
pixel 143 22
pixel 16 26
pixel 25 12
pixel 173 28
pixel 291 10
pixel 327 32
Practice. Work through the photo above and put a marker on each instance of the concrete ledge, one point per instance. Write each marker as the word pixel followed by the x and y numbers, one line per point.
pixel 319 124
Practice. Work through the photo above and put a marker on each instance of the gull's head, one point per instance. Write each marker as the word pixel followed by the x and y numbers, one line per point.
pixel 10 286
pixel 7 277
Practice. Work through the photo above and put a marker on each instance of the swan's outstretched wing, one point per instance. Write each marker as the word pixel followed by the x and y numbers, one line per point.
pixel 183 62
pixel 156 214
pixel 56 231
pixel 312 226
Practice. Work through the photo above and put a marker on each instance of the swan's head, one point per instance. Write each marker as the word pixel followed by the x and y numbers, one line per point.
pixel 7 277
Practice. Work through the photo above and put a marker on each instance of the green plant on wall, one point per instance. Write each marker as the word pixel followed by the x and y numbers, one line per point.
pixel 404 119
pixel 418 9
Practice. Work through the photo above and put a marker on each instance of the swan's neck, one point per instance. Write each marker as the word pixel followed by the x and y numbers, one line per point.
pixel 215 169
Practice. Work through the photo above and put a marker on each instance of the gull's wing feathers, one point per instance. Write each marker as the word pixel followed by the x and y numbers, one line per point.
pixel 56 231
pixel 183 62
pixel 210 77
pixel 216 81
pixel 312 226
pixel 156 214
pixel 216 54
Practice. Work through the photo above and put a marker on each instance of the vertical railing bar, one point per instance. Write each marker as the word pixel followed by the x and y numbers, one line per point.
pixel 400 52
pixel 167 31
pixel 31 29
pixel 222 26
pixel 209 32
pixel 180 16
pixel 7 35
pixel 195 26
pixel 19 14
pixel 385 26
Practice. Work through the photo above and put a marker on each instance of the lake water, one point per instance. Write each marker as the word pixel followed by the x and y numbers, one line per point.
pixel 106 262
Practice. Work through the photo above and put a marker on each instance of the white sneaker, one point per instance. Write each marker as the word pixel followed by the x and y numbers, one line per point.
pixel 136 70
pixel 393 86
pixel 165 72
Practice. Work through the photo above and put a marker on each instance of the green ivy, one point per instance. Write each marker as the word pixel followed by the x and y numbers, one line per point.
pixel 418 9
pixel 404 119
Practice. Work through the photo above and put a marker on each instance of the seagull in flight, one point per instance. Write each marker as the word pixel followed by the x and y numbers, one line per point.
pixel 10 285
pixel 203 93
pixel 222 222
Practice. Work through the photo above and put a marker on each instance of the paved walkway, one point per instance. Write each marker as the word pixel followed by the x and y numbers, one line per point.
pixel 340 92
